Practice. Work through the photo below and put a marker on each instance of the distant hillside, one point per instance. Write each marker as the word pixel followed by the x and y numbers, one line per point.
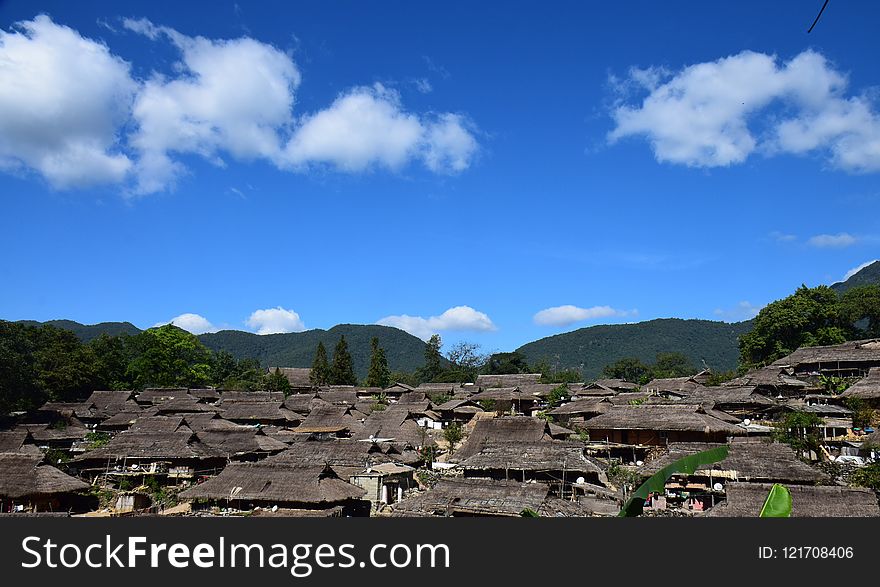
pixel 870 275
pixel 590 349
pixel 87 332
pixel 404 351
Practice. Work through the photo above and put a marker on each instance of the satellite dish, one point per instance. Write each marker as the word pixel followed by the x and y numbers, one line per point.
pixel 640 463
pixel 580 481
pixel 718 487
pixel 274 508
pixel 747 422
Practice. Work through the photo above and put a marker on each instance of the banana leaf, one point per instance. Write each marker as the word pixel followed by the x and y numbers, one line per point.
pixel 778 503
pixel 657 481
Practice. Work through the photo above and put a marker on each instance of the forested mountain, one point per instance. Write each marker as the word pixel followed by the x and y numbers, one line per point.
pixel 404 351
pixel 590 349
pixel 869 275
pixel 88 332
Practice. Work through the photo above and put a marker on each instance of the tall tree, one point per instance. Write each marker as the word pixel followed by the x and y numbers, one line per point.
pixel 342 369
pixel 277 381
pixel 433 366
pixel 320 374
pixel 169 357
pixel 507 364
pixel 378 375
pixel 808 317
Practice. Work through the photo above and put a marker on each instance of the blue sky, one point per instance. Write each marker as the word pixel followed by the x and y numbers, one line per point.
pixel 492 175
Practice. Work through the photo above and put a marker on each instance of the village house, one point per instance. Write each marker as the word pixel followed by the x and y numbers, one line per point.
pixel 659 425
pixel 745 500
pixel 298 377
pixel 866 389
pixel 28 484
pixel 268 484
pixel 385 483
pixel 849 359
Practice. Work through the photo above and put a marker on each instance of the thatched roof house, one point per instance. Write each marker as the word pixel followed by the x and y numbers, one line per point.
pixel 659 424
pixel 329 419
pixel 867 388
pixel 521 429
pixel 846 359
pixel 673 385
pixel 266 484
pixel 25 480
pixel 299 377
pixel 474 497
pixel 749 459
pixel 18 441
pixel 158 395
pixel 258 413
pixel 563 461
pixel 394 424
pixel 512 380
pixel 180 447
pixel 227 397
pixel 745 500
pixel 241 443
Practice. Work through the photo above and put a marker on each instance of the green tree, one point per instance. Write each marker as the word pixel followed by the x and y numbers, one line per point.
pixel 860 309
pixel 465 363
pixel 506 364
pixel 672 365
pixel 629 369
pixel 168 356
pixel 433 366
pixel 799 430
pixel 453 434
pixel 320 373
pixel 808 317
pixel 378 375
pixel 342 369
pixel 277 381
pixel 558 395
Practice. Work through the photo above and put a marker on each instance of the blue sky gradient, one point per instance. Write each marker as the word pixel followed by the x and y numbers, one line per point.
pixel 546 212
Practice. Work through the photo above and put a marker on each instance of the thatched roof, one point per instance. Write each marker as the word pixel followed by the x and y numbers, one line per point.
pixel 413 397
pixel 512 380
pixel 613 385
pixel 660 417
pixel 159 425
pixel 769 376
pixel 329 418
pixel 267 482
pixel 126 419
pixel 581 406
pixel 297 376
pixel 158 395
pixel 730 395
pixel 679 385
pixel 165 446
pixel 241 441
pixel 258 412
pixel 346 396
pixel 474 497
pixel 346 457
pixel 250 396
pixel 866 388
pixel 502 394
pixel 394 422
pixel 749 459
pixel 23 475
pixel 508 429
pixel 745 500
pixel 45 434
pixel 532 456
pixel 205 395
pixel 12 441
pixel 301 403
pixel 183 404
pixel 856 351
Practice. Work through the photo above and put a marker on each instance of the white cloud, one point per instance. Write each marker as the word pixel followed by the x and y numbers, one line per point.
pixel 63 98
pixel 839 241
pixel 275 321
pixel 742 311
pixel 701 115
pixel 230 96
pixel 855 270
pixel 565 315
pixel 782 237
pixel 457 318
pixel 367 127
pixel 193 323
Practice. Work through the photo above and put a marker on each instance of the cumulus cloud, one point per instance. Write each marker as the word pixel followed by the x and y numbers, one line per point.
pixel 457 318
pixel 855 270
pixel 63 98
pixel 742 311
pixel 230 96
pixel 368 127
pixel 836 241
pixel 67 104
pixel 701 116
pixel 565 315
pixel 193 323
pixel 275 321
